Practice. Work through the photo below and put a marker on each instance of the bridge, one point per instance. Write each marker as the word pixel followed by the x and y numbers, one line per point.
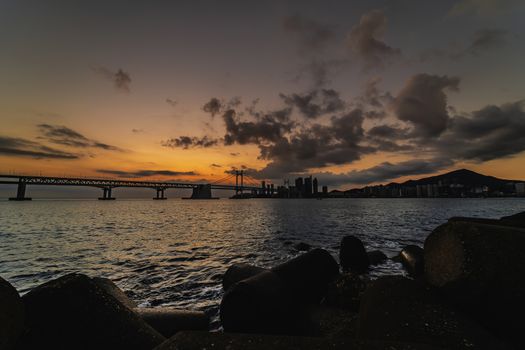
pixel 199 190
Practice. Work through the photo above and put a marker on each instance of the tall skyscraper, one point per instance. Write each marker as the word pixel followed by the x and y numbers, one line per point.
pixel 316 186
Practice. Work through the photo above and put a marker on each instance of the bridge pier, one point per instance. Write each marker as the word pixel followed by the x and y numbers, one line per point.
pixel 201 192
pixel 20 192
pixel 160 193
pixel 106 194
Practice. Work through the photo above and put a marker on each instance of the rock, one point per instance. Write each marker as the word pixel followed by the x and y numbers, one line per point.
pixel 352 255
pixel 272 302
pixel 168 321
pixel 376 257
pixel 73 311
pixel 412 258
pixel 405 310
pixel 260 304
pixel 516 219
pixel 11 315
pixel 333 322
pixel 480 268
pixel 111 288
pixel 237 341
pixel 346 291
pixel 302 247
pixel 239 272
pixel 308 275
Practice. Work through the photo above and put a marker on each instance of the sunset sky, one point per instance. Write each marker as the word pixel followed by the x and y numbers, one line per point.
pixel 353 92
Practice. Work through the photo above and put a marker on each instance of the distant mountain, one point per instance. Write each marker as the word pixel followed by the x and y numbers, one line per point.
pixel 466 179
pixel 462 176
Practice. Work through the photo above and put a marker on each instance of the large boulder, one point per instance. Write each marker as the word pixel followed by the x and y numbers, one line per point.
pixel 239 272
pixel 168 321
pixel 308 275
pixel 413 260
pixel 112 289
pixel 346 291
pixel 516 220
pixel 11 315
pixel 273 301
pixel 352 255
pixel 405 310
pixel 480 268
pixel 74 312
pixel 237 341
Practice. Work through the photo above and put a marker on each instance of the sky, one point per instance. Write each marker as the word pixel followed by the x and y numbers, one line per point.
pixel 353 92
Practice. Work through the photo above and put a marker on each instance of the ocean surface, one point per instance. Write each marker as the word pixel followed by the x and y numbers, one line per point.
pixel 174 252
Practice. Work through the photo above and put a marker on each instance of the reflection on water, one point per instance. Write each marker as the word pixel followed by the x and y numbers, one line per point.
pixel 174 252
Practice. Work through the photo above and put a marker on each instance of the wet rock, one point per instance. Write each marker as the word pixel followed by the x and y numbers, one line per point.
pixel 273 301
pixel 11 315
pixel 412 258
pixel 239 272
pixel 516 219
pixel 346 292
pixel 111 288
pixel 480 268
pixel 168 321
pixel 302 247
pixel 237 341
pixel 308 275
pixel 73 311
pixel 352 255
pixel 376 257
pixel 405 310
pixel 260 304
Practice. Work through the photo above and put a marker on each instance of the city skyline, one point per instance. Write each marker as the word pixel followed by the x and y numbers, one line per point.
pixel 353 94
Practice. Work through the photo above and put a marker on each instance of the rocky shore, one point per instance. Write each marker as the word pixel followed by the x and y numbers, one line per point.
pixel 465 290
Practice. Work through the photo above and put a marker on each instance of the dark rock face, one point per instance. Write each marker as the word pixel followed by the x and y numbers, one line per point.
pixel 260 304
pixel 480 268
pixel 11 315
pixel 168 321
pixel 74 312
pixel 400 309
pixel 308 275
pixel 273 301
pixel 352 255
pixel 239 272
pixel 111 288
pixel 413 259
pixel 517 220
pixel 237 341
pixel 376 257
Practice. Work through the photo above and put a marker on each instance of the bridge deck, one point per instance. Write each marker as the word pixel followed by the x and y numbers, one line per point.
pixel 110 183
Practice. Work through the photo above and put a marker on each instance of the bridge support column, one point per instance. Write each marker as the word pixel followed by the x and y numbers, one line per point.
pixel 160 193
pixel 106 194
pixel 20 192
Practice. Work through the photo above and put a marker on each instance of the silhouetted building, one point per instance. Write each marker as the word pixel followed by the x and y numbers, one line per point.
pixel 316 187
pixel 520 189
pixel 325 190
pixel 299 187
pixel 307 192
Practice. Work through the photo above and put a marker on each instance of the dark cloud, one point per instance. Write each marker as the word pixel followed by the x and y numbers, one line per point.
pixel 12 146
pixel 186 142
pixel 137 131
pixel 213 106
pixel 422 102
pixel 145 173
pixel 269 127
pixel 120 79
pixel 65 136
pixel 491 133
pixel 171 102
pixel 213 165
pixel 313 36
pixel 487 39
pixel 315 103
pixel 385 172
pixel 388 132
pixel 366 40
